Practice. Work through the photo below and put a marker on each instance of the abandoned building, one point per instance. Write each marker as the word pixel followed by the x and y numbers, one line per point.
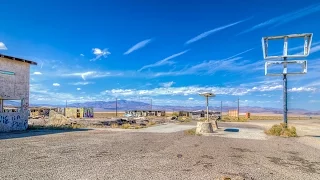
pixel 184 113
pixel 36 112
pixel 10 109
pixel 73 112
pixel 233 113
pixel 143 113
pixel 14 85
pixel 203 114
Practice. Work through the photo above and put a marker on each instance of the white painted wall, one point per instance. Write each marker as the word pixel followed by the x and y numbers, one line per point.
pixel 14 87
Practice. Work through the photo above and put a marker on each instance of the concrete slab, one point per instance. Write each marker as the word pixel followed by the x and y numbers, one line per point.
pixel 168 128
pixel 164 128
pixel 244 133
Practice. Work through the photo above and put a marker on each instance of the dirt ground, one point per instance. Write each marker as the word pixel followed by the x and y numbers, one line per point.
pixel 104 154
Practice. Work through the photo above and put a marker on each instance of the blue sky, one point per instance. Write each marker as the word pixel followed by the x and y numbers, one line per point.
pixel 165 50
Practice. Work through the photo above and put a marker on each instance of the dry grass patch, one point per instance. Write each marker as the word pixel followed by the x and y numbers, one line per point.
pixel 114 126
pixel 281 130
pixel 184 119
pixel 55 127
pixel 191 132
pixel 151 123
pixel 125 126
pixel 234 119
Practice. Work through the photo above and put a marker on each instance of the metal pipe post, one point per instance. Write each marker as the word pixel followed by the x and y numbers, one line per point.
pixel 207 108
pixel 285 95
pixel 238 108
pixel 285 100
pixel 116 107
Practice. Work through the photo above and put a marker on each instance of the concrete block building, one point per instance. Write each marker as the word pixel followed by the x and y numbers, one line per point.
pixel 73 112
pixel 14 85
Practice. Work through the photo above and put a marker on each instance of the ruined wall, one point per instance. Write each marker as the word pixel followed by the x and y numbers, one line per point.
pixel 14 87
pixel 74 112
pixel 233 113
pixel 88 112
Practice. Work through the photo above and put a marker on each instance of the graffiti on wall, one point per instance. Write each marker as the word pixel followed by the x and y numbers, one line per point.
pixel 13 121
pixel 88 113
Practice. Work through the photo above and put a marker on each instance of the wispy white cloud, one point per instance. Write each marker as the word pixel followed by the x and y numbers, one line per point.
pixel 167 84
pixel 83 83
pixel 164 61
pixel 207 33
pixel 100 53
pixel 37 73
pixel 82 55
pixel 56 84
pixel 190 98
pixel 78 89
pixel 138 46
pixel 315 49
pixel 3 46
pixel 302 89
pixel 195 90
pixel 276 21
pixel 212 66
pixel 92 74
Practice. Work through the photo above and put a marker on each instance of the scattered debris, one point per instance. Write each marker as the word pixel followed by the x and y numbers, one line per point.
pixel 57 119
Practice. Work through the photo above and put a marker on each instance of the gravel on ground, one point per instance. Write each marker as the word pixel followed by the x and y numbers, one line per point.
pixel 103 154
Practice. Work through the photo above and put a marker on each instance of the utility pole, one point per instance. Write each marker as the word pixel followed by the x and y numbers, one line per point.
pixel 151 104
pixel 238 108
pixel 116 107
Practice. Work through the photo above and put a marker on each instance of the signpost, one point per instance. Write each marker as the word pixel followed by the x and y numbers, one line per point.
pixel 284 62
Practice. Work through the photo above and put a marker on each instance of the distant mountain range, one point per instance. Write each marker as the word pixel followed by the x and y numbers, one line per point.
pixel 134 105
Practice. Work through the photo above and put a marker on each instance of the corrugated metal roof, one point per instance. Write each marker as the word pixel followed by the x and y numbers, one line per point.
pixel 17 59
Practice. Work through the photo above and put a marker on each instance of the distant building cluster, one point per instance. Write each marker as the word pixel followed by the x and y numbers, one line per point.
pixel 144 113
pixel 199 114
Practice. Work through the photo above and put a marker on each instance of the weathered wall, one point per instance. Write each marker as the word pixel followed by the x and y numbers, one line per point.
pixel 14 87
pixel 88 112
pixel 13 121
pixel 72 112
pixel 233 113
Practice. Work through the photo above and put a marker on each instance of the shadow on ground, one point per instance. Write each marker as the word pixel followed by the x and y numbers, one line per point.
pixel 36 132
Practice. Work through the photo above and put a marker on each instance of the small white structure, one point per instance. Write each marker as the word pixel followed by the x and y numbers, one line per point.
pixel 205 127
pixel 14 85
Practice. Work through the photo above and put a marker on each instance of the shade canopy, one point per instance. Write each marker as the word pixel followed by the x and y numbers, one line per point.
pixel 207 94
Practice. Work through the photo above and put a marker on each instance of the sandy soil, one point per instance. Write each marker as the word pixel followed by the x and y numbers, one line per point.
pixel 104 154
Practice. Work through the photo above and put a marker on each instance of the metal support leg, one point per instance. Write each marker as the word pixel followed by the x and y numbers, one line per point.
pixel 285 101
pixel 207 109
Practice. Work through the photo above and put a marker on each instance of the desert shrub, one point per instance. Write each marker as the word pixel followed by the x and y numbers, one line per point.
pixel 55 127
pixel 234 119
pixel 114 126
pixel 282 130
pixel 184 119
pixel 175 114
pixel 125 126
pixel 190 132
pixel 151 123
